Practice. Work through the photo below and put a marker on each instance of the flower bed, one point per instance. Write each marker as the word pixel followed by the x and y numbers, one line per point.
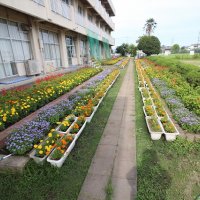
pixel 44 148
pixel 28 100
pixel 93 92
pixel 178 93
pixel 111 61
pixel 62 150
pixel 153 108
pixel 66 124
pixel 154 128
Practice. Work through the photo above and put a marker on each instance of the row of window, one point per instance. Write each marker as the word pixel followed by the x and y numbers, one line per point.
pixel 62 7
pixel 15 46
pixel 91 19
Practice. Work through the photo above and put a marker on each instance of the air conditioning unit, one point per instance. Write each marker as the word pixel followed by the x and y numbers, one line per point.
pixel 32 67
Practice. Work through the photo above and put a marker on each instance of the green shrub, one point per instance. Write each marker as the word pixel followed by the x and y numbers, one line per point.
pixel 190 72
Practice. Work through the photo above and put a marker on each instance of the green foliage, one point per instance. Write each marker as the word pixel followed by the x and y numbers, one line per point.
pixel 175 48
pixel 183 147
pixel 150 26
pixel 149 45
pixel 191 73
pixel 111 61
pixel 132 49
pixel 109 190
pixel 165 170
pixel 46 182
pixel 123 49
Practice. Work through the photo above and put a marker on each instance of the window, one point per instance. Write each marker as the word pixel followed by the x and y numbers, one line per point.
pixel 80 11
pixel 14 42
pixel 51 46
pixel 70 46
pixel 14 46
pixel 82 48
pixel 61 7
pixel 90 17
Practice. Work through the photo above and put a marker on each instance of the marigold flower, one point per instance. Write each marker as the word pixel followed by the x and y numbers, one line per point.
pixel 50 134
pixel 40 152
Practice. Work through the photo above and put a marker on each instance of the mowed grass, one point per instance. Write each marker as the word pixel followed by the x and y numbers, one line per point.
pixel 165 170
pixel 48 183
pixel 192 62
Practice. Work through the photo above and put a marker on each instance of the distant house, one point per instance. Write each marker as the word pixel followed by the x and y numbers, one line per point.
pixel 166 50
pixel 140 54
pixel 192 47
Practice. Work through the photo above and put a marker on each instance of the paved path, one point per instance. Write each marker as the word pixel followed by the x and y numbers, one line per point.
pixel 115 157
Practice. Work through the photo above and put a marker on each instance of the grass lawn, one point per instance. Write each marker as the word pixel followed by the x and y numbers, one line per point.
pixel 165 170
pixel 45 182
pixel 192 62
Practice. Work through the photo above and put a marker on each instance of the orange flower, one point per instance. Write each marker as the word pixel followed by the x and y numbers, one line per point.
pixel 63 142
pixel 58 148
pixel 70 138
pixel 76 126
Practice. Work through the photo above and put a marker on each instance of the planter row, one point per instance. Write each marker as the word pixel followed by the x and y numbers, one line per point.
pixel 59 163
pixel 124 63
pixel 152 116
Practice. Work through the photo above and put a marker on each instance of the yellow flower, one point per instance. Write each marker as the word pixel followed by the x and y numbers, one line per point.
pixel 40 152
pixel 47 141
pixel 40 147
pixel 41 140
pixel 52 141
pixel 35 146
pixel 58 135
pixel 50 134
pixel 4 118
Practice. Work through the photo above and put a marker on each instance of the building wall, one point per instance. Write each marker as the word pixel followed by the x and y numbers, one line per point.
pixel 35 17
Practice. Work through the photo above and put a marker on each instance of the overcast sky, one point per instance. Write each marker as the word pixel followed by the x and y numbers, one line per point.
pixel 178 21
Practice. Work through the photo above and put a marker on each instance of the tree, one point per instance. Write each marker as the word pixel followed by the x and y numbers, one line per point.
pixel 132 49
pixel 175 48
pixel 149 45
pixel 123 49
pixel 183 50
pixel 150 26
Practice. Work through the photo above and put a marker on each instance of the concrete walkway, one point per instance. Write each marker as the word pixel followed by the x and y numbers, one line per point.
pixel 115 157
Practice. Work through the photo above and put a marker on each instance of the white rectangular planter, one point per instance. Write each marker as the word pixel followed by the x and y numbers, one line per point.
pixel 146 113
pixel 67 131
pixel 59 163
pixel 170 136
pixel 80 131
pixel 88 119
pixel 154 135
pixel 38 160
pixel 143 95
